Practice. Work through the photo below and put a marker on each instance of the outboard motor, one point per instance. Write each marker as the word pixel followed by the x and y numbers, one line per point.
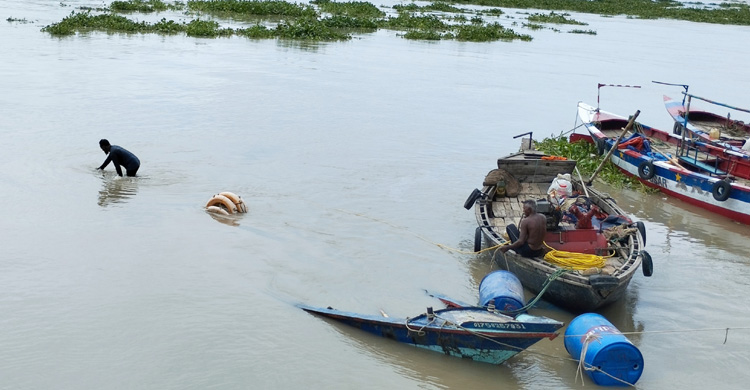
pixel 552 213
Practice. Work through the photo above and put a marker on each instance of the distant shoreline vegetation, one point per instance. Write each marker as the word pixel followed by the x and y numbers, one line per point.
pixel 325 20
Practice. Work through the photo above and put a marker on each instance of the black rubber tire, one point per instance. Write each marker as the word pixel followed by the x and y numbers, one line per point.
pixel 472 199
pixel 478 239
pixel 641 229
pixel 647 265
pixel 677 128
pixel 646 170
pixel 600 144
pixel 721 190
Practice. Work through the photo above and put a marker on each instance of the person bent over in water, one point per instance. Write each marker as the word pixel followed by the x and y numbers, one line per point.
pixel 529 241
pixel 120 157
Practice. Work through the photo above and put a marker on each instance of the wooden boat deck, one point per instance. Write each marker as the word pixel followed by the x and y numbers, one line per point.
pixel 506 211
pixel 729 132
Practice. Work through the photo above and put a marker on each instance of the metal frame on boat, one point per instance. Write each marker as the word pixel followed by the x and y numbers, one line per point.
pixel 719 130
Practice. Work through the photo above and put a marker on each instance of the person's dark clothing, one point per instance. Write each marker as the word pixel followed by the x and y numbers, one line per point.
pixel 121 157
pixel 524 250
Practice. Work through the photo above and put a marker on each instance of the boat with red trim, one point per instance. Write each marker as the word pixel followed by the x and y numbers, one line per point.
pixel 692 169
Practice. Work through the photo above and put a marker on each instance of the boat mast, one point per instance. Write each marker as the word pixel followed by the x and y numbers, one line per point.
pixel 599 87
pixel 681 147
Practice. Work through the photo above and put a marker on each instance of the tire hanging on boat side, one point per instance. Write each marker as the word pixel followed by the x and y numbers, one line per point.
pixel 642 230
pixel 647 265
pixel 721 190
pixel 600 145
pixel 478 239
pixel 677 128
pixel 646 170
pixel 472 199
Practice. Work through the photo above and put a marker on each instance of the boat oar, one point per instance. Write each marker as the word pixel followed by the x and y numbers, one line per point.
pixel 614 147
pixel 672 160
pixel 586 191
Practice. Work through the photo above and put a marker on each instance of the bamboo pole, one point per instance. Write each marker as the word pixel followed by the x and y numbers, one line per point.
pixel 614 147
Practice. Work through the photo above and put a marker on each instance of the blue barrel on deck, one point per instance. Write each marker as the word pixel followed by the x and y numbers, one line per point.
pixel 608 350
pixel 504 288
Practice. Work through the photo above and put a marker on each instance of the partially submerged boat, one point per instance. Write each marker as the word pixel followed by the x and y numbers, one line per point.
pixel 696 171
pixel 574 226
pixel 479 333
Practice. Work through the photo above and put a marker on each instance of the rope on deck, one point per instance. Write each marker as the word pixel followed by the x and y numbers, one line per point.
pixel 573 260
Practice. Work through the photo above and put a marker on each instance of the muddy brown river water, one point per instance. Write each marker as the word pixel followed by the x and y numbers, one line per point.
pixel 355 159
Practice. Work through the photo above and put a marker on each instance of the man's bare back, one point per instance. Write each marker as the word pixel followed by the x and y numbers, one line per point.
pixel 531 232
pixel 536 228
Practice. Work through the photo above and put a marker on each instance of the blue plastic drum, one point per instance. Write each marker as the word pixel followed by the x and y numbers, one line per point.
pixel 608 350
pixel 504 288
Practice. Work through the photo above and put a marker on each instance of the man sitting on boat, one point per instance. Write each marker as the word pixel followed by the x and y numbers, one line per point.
pixel 528 241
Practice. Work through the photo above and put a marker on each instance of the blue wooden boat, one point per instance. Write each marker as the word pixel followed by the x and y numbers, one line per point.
pixel 477 333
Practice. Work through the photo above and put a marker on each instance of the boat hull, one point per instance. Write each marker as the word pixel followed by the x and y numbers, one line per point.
pixel 492 338
pixel 691 187
pixel 575 291
pixel 732 134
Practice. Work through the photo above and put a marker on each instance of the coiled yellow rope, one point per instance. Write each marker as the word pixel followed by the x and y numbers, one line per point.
pixel 572 260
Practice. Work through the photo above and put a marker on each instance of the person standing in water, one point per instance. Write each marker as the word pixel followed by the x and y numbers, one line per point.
pixel 120 157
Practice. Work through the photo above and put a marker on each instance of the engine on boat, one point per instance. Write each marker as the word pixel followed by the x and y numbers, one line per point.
pixel 552 213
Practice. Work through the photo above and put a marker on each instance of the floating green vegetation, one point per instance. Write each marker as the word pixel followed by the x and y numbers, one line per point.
pixel 488 32
pixel 436 6
pixel 256 32
pixel 265 7
pixel 84 21
pixel 588 160
pixel 554 18
pixel 589 32
pixel 304 21
pixel 301 29
pixel 165 26
pixel 444 7
pixel 728 13
pixel 347 22
pixel 533 26
pixel 413 22
pixel 206 29
pixel 308 29
pixel 16 20
pixel 492 12
pixel 427 35
pixel 144 6
pixel 354 9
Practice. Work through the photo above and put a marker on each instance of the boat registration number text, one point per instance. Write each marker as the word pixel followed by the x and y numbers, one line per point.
pixel 494 325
